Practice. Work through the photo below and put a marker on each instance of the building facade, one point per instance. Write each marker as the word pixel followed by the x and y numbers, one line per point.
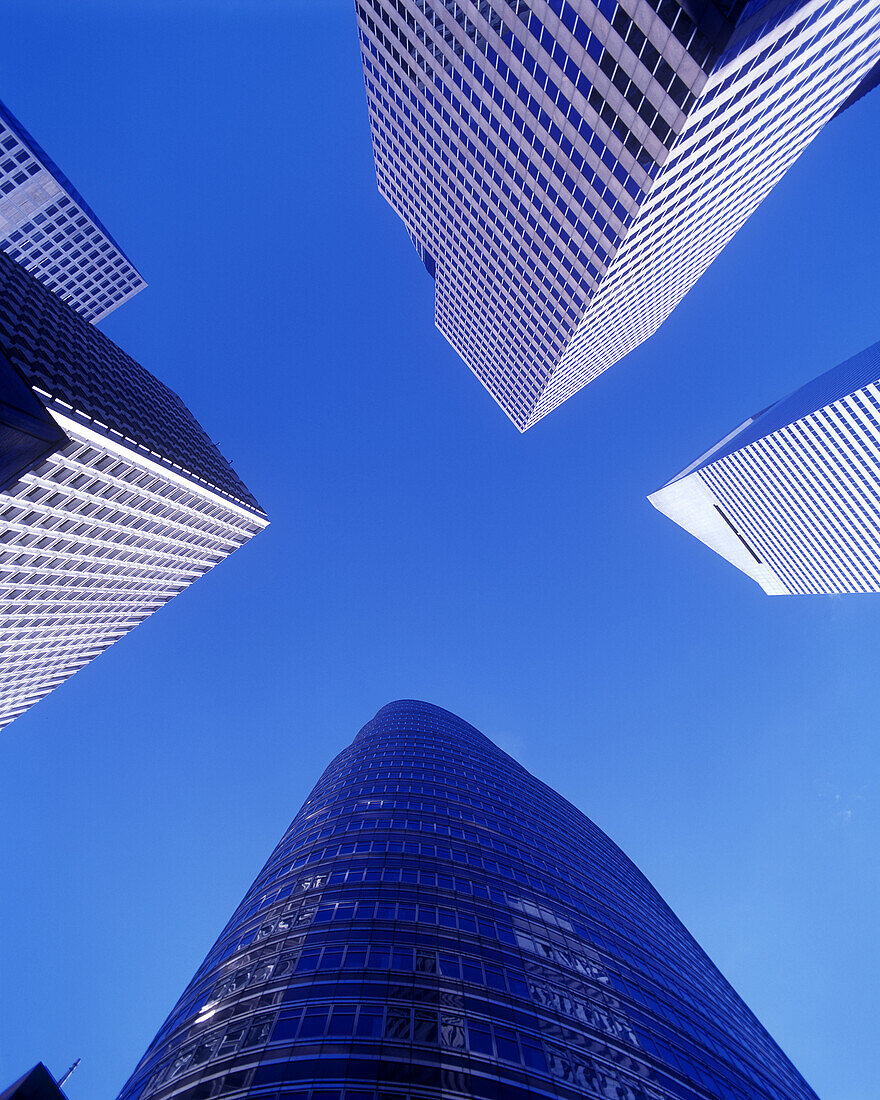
pixel 437 923
pixel 47 226
pixel 113 501
pixel 567 169
pixel 792 496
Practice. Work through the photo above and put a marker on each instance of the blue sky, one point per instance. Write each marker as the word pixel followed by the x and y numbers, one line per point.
pixel 420 547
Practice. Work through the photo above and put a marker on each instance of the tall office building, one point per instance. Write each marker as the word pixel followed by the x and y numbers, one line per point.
pixel 112 497
pixel 792 496
pixel 567 169
pixel 47 226
pixel 436 924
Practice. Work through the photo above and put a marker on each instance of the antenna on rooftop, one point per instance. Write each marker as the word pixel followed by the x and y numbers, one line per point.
pixel 66 1075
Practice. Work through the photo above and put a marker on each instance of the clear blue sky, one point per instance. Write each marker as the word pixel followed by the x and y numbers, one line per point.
pixel 421 547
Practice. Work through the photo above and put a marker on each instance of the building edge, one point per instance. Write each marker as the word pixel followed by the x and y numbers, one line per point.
pixel 691 504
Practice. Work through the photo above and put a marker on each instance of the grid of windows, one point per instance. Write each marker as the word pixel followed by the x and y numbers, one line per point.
pixel 47 227
pixel 134 505
pixel 761 108
pixel 79 371
pixel 568 168
pixel 517 140
pixel 799 486
pixel 438 923
pixel 92 542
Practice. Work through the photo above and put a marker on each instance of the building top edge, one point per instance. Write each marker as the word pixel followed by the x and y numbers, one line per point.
pixel 415 708
pixel 404 705
pixel 840 381
pixel 79 371
pixel 24 135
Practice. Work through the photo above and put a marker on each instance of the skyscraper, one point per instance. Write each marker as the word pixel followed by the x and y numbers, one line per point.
pixel 792 496
pixel 113 497
pixel 47 226
pixel 567 169
pixel 437 923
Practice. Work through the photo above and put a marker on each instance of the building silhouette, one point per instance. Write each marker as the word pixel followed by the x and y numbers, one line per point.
pixel 112 497
pixel 37 1084
pixel 792 496
pixel 567 169
pixel 49 228
pixel 437 923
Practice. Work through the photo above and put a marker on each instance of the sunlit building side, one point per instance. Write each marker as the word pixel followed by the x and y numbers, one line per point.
pixel 49 228
pixel 113 499
pixel 567 169
pixel 792 496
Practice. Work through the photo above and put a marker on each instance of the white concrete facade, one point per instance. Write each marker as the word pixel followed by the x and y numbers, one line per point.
pixel 561 227
pixel 691 504
pixel 757 113
pixel 797 506
pixel 92 542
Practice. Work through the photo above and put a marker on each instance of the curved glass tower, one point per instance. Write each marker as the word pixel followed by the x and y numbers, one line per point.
pixel 437 923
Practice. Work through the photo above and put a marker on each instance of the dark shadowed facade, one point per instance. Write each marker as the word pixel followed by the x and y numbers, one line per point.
pixel 436 922
pixel 37 1084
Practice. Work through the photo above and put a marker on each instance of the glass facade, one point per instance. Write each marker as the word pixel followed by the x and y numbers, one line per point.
pixel 437 923
pixel 79 372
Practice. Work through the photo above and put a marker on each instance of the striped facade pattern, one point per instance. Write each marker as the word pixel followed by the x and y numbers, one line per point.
pixel 92 542
pixel 807 497
pixel 562 188
pixel 792 496
pixel 759 111
pixel 516 141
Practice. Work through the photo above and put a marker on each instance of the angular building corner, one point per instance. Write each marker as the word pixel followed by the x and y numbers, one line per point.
pixel 37 1084
pixel 792 496
pixel 113 497
pixel 567 169
pixel 49 228
pixel 437 924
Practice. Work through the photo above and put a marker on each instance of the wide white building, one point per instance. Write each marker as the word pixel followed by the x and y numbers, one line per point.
pixel 113 497
pixel 47 226
pixel 792 496
pixel 567 169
